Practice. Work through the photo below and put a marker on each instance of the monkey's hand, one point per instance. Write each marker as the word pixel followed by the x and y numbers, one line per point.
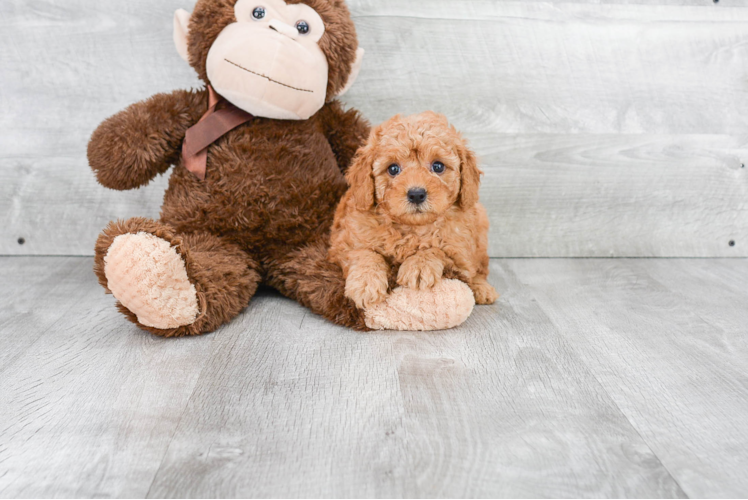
pixel 129 149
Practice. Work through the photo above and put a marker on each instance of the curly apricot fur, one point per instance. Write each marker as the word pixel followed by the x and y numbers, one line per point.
pixel 445 236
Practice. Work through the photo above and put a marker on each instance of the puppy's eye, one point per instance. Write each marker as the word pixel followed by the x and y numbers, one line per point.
pixel 393 170
pixel 303 27
pixel 259 13
pixel 438 167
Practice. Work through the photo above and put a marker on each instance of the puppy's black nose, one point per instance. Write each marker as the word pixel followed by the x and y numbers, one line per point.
pixel 417 196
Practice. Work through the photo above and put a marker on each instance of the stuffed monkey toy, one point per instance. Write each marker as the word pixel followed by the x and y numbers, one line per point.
pixel 260 155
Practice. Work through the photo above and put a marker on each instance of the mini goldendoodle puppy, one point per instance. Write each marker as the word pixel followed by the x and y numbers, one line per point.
pixel 411 214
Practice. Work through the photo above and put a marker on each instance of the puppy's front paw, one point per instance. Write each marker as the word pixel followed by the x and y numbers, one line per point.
pixel 366 287
pixel 420 274
pixel 484 292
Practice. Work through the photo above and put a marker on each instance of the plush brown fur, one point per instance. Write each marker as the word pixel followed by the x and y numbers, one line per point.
pixel 264 211
pixel 377 230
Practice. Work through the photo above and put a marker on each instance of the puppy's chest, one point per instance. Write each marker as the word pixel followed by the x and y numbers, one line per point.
pixel 406 241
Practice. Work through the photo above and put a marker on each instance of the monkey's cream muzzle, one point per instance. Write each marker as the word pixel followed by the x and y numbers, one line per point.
pixel 265 65
pixel 267 73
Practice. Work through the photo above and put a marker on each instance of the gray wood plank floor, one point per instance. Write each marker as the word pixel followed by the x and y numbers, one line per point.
pixel 588 378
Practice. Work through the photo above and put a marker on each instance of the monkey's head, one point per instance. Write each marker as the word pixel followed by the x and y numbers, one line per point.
pixel 272 58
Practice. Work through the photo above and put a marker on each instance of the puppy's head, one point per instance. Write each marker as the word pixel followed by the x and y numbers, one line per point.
pixel 415 169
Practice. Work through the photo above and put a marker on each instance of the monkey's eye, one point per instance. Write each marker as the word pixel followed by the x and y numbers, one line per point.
pixel 438 167
pixel 258 13
pixel 303 27
pixel 393 170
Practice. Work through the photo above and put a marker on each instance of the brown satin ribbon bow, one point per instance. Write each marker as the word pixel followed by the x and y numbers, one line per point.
pixel 214 124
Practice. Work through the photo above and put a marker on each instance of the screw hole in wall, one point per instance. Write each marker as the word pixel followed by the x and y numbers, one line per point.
pixel 732 243
pixel 21 241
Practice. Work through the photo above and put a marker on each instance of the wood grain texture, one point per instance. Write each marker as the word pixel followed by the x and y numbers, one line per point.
pixel 589 378
pixel 556 68
pixel 504 407
pixel 89 403
pixel 697 3
pixel 35 296
pixel 295 407
pixel 552 195
pixel 68 65
pixel 670 70
pixel 290 406
pixel 668 341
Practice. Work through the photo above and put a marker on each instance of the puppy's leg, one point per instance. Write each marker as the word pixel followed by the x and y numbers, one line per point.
pixel 367 282
pixel 422 270
pixel 173 284
pixel 483 291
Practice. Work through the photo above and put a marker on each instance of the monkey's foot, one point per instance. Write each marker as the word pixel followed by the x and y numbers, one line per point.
pixel 445 306
pixel 147 275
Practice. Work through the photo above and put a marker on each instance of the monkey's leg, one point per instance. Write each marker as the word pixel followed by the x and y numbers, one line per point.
pixel 173 284
pixel 308 277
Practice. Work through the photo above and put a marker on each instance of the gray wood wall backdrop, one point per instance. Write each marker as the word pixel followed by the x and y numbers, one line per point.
pixel 606 128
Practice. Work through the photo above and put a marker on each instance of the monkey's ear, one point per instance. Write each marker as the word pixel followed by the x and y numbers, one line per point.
pixel 355 69
pixel 181 30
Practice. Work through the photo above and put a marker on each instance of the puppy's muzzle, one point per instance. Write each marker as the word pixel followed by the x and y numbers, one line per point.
pixel 417 195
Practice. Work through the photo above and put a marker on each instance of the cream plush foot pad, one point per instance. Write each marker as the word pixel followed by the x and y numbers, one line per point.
pixel 445 306
pixel 147 275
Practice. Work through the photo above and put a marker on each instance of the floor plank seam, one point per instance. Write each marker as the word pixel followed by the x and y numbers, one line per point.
pixel 7 365
pixel 181 416
pixel 594 377
pixel 631 424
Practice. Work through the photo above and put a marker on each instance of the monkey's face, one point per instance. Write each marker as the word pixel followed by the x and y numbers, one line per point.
pixel 268 59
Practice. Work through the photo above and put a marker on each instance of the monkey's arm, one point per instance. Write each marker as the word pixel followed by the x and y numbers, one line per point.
pixel 346 131
pixel 129 149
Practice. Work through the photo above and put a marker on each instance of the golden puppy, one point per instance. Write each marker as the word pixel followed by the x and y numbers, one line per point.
pixel 412 208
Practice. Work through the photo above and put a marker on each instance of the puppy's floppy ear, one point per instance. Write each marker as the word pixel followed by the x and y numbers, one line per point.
pixel 470 178
pixel 360 176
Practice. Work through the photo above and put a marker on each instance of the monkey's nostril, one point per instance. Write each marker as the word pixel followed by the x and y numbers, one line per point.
pixel 417 195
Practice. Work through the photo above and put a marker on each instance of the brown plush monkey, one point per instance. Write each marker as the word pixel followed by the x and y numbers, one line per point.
pixel 261 155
